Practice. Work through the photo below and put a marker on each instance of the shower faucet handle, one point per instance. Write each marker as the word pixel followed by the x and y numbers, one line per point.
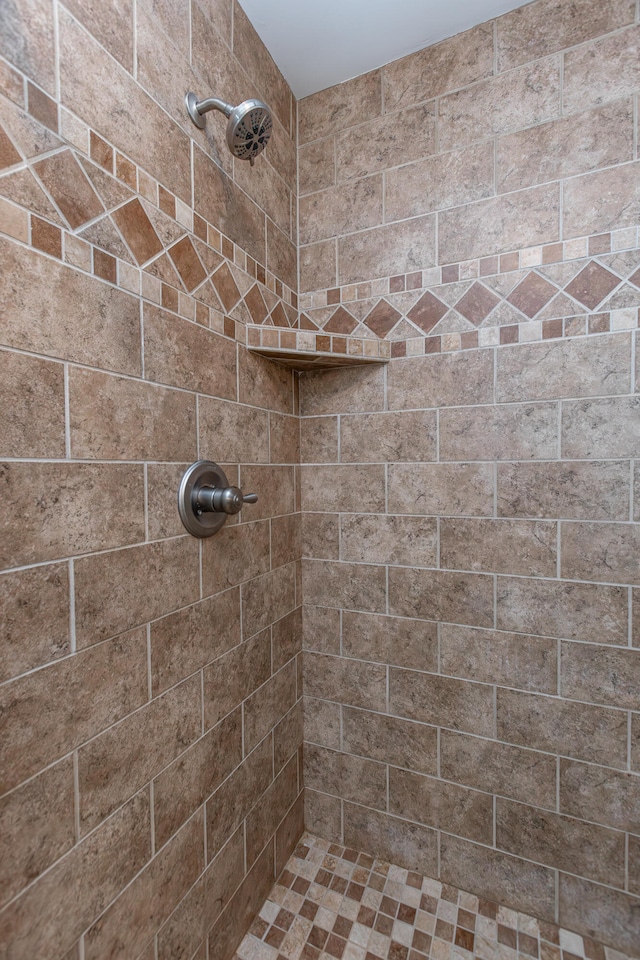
pixel 222 499
pixel 206 498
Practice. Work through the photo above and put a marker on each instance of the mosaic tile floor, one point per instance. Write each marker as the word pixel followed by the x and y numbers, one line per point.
pixel 333 903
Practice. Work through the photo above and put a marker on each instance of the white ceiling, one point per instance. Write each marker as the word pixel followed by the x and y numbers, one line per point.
pixel 317 43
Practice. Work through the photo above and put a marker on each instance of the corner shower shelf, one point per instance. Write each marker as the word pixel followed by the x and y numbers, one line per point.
pixel 305 350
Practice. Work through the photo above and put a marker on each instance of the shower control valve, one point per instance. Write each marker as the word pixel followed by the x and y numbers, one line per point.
pixel 205 498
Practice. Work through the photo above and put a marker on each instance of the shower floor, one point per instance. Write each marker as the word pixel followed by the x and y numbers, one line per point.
pixel 333 902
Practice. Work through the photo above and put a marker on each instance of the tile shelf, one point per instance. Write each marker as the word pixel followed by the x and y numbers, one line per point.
pixel 306 350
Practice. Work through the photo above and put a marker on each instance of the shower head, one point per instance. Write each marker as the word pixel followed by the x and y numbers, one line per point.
pixel 249 127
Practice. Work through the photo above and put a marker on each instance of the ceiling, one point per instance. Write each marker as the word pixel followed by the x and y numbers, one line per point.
pixel 317 43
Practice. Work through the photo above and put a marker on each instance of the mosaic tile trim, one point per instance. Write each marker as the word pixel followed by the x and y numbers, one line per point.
pixel 320 345
pixel 334 902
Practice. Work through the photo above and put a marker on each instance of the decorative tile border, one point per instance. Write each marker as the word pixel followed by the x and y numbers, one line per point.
pixel 315 349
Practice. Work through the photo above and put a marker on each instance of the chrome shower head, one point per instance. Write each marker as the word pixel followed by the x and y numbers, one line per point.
pixel 249 128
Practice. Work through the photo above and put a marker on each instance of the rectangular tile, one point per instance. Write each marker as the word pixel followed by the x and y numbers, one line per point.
pixel 351 585
pixel 600 794
pixel 602 429
pixel 396 248
pixel 389 740
pixel 394 640
pixel 345 681
pixel 574 730
pixel 507 659
pixel 34 391
pixel 381 835
pixel 346 776
pixel 605 69
pixel 267 706
pixel 602 913
pixel 574 611
pixel 448 380
pixel 234 922
pixel 319 440
pixel 601 551
pixel 316 166
pixel 52 711
pixel 600 675
pixel 329 392
pixel 122 759
pixel 339 210
pixel 284 439
pixel 41 525
pixel 444 806
pixel 340 106
pixel 322 723
pixel 288 736
pixel 36 614
pixel 504 432
pixel 521 547
pixel 238 552
pixel 385 437
pixel 498 768
pixel 263 383
pixel 121 589
pixel 321 629
pixel 441 701
pixel 601 201
pixel 321 536
pixel 237 433
pixel 265 817
pixel 275 486
pixel 232 801
pixel 234 676
pixel 572 490
pixel 286 638
pixel 449 489
pixel 352 488
pixel 375 538
pixel 323 815
pixel 355 158
pixel 440 595
pixel 268 598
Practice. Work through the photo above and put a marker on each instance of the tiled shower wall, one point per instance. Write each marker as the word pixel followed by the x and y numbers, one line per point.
pixel 149 695
pixel 471 511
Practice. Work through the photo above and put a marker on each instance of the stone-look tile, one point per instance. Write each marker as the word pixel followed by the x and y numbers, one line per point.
pixel 231 802
pixel 28 41
pixel 319 440
pixel 289 833
pixel 187 782
pixel 122 759
pixel 265 816
pixel 342 209
pixel 340 106
pixel 572 490
pixel 325 813
pixel 455 62
pixel 57 517
pixel 139 911
pixel 121 589
pixel 35 615
pixel 284 439
pixel 266 707
pixel 454 379
pixel 441 805
pixel 346 776
pixel 442 701
pixel 498 768
pixel 268 598
pixel 582 367
pixel 499 877
pixel 460 489
pixel 440 182
pixel 521 98
pixel 321 629
pixel 531 32
pixel 407 844
pixel 603 429
pixel 185 641
pixel 234 922
pixel 282 256
pixel 606 69
pixel 396 248
pixel 68 898
pixel 184 354
pixel 600 794
pixel 601 551
pixel 601 201
pixel 288 736
pixel 119 419
pixel 386 437
pixel 190 922
pixel 321 536
pixel 600 675
pixel 318 266
pixel 389 740
pixel 561 842
pixel 575 730
pixel 128 117
pixel 345 681
pixel 482 229
pixel 235 432
pixel 286 540
pixel 63 177
pixel 343 488
pixel 262 383
pixel 330 392
pixel 234 676
pixel 508 659
pixel 356 158
pixel 350 585
pixel 37 827
pixel 100 325
pixel 286 639
pixel 592 284
pixel 565 147
pixel 576 611
pixel 322 724
pixel 367 538
pixel 163 480
pixel 316 166
pixel 600 912
pixel 238 553
pixel 52 711
pixel 404 643
pixel 114 32
pixel 440 595
pixel 504 432
pixel 524 547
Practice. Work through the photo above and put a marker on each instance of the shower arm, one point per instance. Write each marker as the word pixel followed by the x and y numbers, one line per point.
pixel 197 108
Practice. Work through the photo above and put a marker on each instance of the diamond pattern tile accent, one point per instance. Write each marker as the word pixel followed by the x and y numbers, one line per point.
pixel 186 262
pixel 255 303
pixel 427 311
pixel 592 285
pixel 341 322
pixel 382 319
pixel 635 278
pixel 226 287
pixel 477 303
pixel 136 228
pixel 532 294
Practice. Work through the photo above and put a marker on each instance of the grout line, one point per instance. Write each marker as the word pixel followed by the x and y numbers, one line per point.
pixel 67 413
pixel 76 793
pixel 73 645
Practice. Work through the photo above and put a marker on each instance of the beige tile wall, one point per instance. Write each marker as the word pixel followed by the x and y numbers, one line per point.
pixel 470 526
pixel 150 707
